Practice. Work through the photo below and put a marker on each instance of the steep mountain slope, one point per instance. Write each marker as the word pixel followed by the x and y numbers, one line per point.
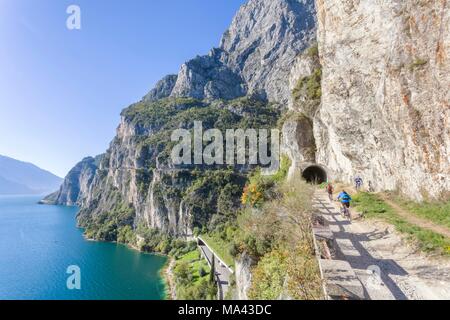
pixel 136 185
pixel 263 42
pixel 254 57
pixel 76 184
pixel 370 99
pixel 20 177
pixel 10 188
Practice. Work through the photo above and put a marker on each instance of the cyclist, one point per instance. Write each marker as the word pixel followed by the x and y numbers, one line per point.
pixel 330 190
pixel 345 200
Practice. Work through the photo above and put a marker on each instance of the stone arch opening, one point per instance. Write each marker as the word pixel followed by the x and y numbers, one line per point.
pixel 315 174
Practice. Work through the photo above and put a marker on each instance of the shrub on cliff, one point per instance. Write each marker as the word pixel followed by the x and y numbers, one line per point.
pixel 278 236
pixel 126 235
pixel 309 87
pixel 269 276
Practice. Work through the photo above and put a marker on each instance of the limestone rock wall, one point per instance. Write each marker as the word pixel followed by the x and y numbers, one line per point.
pixel 254 58
pixel 120 173
pixel 243 275
pixel 76 185
pixel 385 108
pixel 263 41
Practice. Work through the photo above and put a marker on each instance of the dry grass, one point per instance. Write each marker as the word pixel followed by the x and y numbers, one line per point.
pixel 286 221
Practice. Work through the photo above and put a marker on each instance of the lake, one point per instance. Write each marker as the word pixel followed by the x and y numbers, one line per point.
pixel 38 243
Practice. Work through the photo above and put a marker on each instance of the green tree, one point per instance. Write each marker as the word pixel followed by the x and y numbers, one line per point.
pixel 213 270
pixel 182 272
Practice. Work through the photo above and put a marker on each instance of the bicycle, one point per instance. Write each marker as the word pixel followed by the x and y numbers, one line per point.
pixel 345 212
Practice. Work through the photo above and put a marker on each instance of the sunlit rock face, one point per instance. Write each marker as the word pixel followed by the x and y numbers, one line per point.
pixel 263 41
pixel 207 77
pixel 75 187
pixel 162 89
pixel 385 109
pixel 256 53
pixel 381 109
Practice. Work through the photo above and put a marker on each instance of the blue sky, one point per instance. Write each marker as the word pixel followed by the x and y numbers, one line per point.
pixel 61 91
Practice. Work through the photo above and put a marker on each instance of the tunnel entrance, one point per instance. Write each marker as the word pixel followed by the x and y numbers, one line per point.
pixel 315 175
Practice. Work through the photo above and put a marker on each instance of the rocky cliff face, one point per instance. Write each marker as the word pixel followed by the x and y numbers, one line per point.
pixel 162 89
pixel 207 77
pixel 124 181
pixel 255 56
pixel 371 99
pixel 243 274
pixel 265 39
pixel 385 106
pixel 134 180
pixel 376 94
pixel 136 184
pixel 75 188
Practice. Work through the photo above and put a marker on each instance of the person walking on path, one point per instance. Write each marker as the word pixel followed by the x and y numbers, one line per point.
pixel 330 190
pixel 358 183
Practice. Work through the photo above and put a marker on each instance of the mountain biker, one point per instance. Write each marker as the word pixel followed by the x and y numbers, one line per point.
pixel 330 190
pixel 345 200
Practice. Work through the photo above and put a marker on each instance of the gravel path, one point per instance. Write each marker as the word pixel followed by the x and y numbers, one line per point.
pixel 386 265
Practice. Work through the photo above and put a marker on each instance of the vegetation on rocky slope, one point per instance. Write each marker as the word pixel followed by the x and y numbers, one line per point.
pixel 160 118
pixel 311 85
pixel 213 197
pixel 193 279
pixel 274 228
pixel 110 224
pixel 277 235
pixel 307 92
pixel 211 194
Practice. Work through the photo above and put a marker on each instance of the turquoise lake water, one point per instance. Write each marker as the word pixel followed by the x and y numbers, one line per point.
pixel 38 243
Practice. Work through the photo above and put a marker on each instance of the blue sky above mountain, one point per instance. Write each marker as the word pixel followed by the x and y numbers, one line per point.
pixel 61 91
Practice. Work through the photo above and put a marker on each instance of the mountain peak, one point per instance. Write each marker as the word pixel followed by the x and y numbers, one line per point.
pixel 255 56
pixel 264 39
